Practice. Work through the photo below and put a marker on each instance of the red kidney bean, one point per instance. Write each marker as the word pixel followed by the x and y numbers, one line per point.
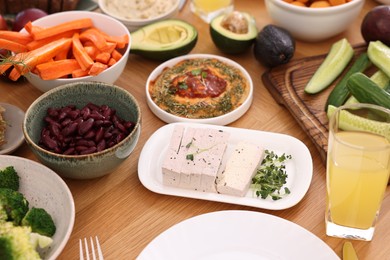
pixel 74 131
pixel 85 126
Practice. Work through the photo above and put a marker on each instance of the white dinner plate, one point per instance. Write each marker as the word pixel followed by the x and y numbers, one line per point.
pixel 231 235
pixel 299 168
pixel 13 133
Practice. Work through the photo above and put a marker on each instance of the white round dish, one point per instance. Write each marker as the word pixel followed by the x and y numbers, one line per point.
pixel 43 188
pixel 235 234
pixel 14 137
pixel 104 23
pixel 219 120
pixel 134 24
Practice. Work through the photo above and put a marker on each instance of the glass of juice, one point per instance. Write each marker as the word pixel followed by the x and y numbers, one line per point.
pixel 208 9
pixel 358 168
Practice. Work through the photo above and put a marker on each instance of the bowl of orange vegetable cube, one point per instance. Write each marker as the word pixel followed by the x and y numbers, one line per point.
pixel 314 20
pixel 67 47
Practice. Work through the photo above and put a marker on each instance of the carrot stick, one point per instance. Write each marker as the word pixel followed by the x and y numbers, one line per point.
pixel 92 51
pixel 63 27
pixel 111 62
pixel 116 55
pixel 121 41
pixel 28 60
pixel 12 46
pixel 94 36
pixel 17 37
pixel 80 54
pixel 57 69
pixel 14 74
pixel 30 28
pixel 38 43
pixel 103 57
pixel 110 47
pixel 97 68
pixel 4 67
pixel 79 73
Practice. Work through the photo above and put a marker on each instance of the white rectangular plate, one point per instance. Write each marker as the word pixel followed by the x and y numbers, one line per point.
pixel 299 169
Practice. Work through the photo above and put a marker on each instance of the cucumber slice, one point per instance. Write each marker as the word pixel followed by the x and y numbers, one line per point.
pixel 336 61
pixel 379 55
pixel 349 121
pixel 380 78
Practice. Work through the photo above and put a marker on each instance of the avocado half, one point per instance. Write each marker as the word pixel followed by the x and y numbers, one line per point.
pixel 164 40
pixel 231 42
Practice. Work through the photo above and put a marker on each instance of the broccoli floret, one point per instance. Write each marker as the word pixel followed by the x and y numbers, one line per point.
pixel 14 204
pixel 9 178
pixel 15 243
pixel 40 222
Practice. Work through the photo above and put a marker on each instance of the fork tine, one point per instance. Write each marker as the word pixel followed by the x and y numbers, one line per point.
pixel 81 250
pixel 99 249
pixel 86 248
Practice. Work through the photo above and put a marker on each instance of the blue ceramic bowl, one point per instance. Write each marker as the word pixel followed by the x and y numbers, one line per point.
pixel 80 94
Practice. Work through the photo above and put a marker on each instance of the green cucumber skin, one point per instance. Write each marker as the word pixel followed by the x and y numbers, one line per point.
pixel 341 92
pixel 367 91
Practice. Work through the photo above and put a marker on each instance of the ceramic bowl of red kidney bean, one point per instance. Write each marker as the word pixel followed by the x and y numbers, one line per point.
pixel 83 130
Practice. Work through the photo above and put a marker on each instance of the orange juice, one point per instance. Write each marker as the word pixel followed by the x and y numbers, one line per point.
pixel 208 9
pixel 357 179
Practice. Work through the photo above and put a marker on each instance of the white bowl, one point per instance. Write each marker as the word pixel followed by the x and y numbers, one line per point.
pixel 101 21
pixel 133 24
pixel 313 24
pixel 43 188
pixel 219 120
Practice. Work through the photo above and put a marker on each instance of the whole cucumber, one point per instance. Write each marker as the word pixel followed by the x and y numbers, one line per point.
pixel 367 91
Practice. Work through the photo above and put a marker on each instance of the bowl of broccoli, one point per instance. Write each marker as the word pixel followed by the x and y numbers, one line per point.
pixel 37 210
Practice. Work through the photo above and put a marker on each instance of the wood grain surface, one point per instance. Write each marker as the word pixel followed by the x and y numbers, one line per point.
pixel 287 83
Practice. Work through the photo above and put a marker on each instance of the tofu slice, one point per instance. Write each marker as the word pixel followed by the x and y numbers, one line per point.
pixel 194 158
pixel 240 168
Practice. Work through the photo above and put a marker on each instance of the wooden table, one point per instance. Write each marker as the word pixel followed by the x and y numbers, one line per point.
pixel 126 216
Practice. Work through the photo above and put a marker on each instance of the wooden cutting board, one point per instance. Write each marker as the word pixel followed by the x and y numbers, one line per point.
pixel 286 83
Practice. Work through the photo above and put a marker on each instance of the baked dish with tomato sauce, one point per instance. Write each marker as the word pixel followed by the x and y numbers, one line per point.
pixel 199 88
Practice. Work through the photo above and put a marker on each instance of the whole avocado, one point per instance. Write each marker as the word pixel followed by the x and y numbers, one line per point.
pixel 274 46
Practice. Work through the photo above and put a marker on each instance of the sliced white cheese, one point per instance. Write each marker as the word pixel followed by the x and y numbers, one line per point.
pixel 195 162
pixel 240 169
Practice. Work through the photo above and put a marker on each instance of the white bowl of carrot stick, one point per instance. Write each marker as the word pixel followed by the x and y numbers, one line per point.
pixel 314 21
pixel 71 46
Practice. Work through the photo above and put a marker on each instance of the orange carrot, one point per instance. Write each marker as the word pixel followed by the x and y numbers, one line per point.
pixel 28 60
pixel 121 41
pixel 103 57
pixel 4 67
pixel 110 47
pixel 30 28
pixel 57 69
pixel 80 54
pixel 97 68
pixel 94 36
pixel 14 74
pixel 62 27
pixel 38 43
pixel 79 73
pixel 17 37
pixel 116 55
pixel 111 62
pixel 12 46
pixel 92 51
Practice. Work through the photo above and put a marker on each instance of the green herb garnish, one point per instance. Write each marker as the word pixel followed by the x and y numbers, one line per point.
pixel 271 176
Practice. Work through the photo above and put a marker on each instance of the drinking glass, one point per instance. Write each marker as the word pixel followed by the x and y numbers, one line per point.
pixel 208 9
pixel 358 168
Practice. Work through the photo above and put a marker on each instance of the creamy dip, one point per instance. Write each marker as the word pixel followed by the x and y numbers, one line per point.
pixel 199 88
pixel 139 9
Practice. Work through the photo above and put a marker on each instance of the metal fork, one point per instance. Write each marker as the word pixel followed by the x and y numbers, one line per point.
pixel 99 250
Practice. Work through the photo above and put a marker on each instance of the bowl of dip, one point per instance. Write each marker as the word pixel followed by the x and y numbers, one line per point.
pixel 137 13
pixel 199 88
